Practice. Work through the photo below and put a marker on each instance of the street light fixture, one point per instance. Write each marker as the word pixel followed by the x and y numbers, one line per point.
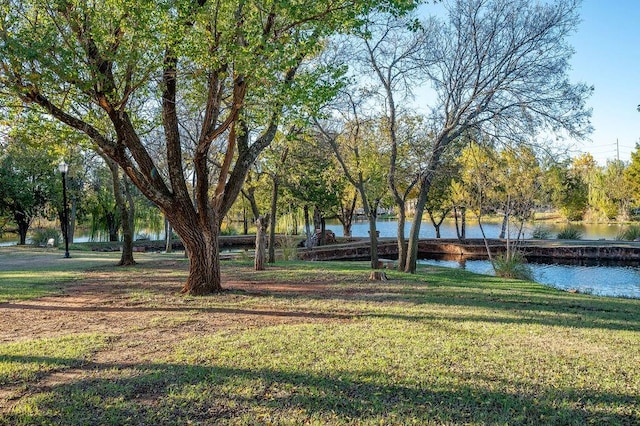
pixel 64 168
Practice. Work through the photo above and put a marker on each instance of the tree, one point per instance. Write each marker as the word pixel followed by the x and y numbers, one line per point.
pixel 501 180
pixel 499 67
pixel 275 168
pixel 566 190
pixel 237 64
pixel 393 53
pixel 519 175
pixel 41 137
pixel 101 204
pixel 354 141
pixel 29 183
pixel 313 180
pixel 632 175
pixel 480 178
pixel 347 197
pixel 440 201
pixel 606 192
pixel 609 195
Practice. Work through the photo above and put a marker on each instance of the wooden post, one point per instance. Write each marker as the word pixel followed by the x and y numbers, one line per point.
pixel 261 243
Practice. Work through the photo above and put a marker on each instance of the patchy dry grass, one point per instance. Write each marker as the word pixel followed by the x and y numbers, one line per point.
pixel 317 343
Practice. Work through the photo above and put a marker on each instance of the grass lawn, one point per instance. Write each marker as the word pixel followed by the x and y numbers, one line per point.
pixel 26 273
pixel 309 343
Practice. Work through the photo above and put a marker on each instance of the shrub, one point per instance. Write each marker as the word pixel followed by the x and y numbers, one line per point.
pixel 541 233
pixel 570 233
pixel 245 256
pixel 42 235
pixel 514 266
pixel 631 233
pixel 289 245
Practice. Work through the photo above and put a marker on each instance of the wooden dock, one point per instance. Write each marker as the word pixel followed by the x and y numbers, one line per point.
pixel 541 249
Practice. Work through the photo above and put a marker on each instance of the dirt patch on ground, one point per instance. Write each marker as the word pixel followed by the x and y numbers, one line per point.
pixel 143 312
pixel 113 302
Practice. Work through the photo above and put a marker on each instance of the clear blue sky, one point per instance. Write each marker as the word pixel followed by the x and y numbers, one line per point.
pixel 607 56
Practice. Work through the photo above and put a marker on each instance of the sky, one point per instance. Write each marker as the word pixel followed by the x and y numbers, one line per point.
pixel 607 57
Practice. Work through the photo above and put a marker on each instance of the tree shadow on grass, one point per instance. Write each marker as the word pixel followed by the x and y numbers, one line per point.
pixel 177 394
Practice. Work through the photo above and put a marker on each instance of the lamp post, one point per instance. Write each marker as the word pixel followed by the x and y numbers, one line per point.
pixel 64 168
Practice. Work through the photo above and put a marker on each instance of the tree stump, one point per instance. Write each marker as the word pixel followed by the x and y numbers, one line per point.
pixel 378 276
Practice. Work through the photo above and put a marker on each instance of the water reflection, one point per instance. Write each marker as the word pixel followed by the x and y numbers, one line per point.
pixel 599 278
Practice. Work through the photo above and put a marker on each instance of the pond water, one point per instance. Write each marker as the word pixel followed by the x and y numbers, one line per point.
pixel 602 280
pixel 389 229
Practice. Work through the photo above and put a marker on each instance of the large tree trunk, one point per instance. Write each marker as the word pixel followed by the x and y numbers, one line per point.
pixel 204 260
pixel 439 146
